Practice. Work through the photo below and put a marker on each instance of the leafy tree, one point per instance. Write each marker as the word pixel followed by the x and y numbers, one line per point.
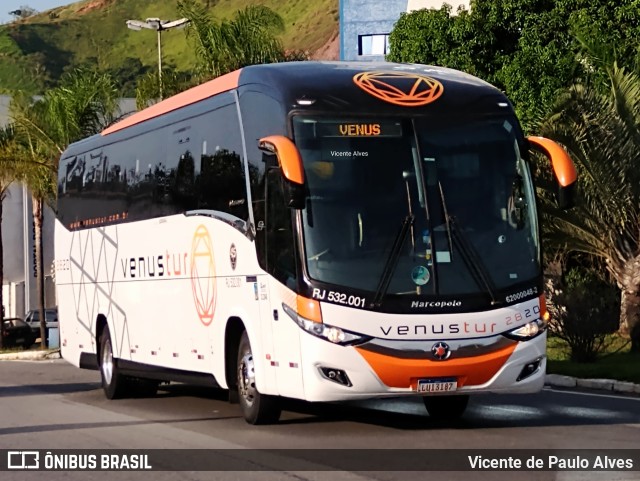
pixel 127 75
pixel 24 11
pixel 435 36
pixel 582 313
pixel 223 46
pixel 528 48
pixel 81 106
pixel 601 131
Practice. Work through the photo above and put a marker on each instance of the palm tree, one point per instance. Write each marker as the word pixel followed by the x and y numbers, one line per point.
pixel 9 173
pixel 221 47
pixel 84 103
pixel 81 106
pixel 601 130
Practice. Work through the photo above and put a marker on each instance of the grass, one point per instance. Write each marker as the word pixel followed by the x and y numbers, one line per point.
pixel 19 349
pixel 617 363
pixel 11 350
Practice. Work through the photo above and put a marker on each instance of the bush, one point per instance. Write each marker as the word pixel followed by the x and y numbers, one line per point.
pixel 583 313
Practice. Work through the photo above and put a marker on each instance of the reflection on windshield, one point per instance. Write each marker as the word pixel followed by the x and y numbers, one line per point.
pixel 364 178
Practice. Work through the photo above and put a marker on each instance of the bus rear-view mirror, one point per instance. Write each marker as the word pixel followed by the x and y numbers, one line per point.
pixel 290 163
pixel 564 169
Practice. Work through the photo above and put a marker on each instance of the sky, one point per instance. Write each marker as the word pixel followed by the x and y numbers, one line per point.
pixel 7 6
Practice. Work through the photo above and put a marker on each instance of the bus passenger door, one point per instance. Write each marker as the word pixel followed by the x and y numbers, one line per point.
pixel 281 266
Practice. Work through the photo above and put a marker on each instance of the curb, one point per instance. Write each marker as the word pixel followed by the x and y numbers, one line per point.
pixel 31 355
pixel 557 380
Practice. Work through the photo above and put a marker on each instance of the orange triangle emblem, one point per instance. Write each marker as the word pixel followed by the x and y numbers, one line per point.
pixel 400 88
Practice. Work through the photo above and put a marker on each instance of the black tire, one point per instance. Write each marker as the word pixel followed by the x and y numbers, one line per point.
pixel 256 408
pixel 446 408
pixel 114 383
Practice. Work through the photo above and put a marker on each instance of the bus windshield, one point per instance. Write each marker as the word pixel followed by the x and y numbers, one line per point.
pixel 461 193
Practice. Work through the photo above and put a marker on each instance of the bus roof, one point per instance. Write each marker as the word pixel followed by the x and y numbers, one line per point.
pixel 334 85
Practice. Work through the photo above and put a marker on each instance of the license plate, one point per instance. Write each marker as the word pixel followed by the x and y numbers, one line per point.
pixel 437 385
pixel 19 340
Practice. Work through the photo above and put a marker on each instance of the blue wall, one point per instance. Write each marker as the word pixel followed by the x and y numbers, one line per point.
pixel 366 17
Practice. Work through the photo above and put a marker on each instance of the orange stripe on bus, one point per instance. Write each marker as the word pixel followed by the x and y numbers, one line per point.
pixel 562 164
pixel 309 309
pixel 404 373
pixel 209 89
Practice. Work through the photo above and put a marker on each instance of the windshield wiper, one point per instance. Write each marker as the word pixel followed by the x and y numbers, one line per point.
pixel 446 218
pixel 469 255
pixel 473 260
pixel 392 260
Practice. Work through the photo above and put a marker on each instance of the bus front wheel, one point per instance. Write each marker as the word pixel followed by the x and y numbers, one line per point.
pixel 113 383
pixel 256 408
pixel 446 408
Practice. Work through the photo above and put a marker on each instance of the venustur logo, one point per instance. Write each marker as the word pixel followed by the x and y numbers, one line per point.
pixel 203 273
pixel 400 88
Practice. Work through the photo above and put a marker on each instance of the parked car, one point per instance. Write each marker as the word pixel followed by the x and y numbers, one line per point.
pixel 15 332
pixel 33 320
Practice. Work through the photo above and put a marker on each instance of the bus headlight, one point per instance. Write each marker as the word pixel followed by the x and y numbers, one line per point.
pixel 528 331
pixel 324 331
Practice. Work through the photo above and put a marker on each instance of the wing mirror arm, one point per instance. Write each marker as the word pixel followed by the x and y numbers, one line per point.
pixel 290 163
pixel 563 168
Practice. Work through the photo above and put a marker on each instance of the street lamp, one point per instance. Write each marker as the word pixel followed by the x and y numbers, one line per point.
pixel 159 26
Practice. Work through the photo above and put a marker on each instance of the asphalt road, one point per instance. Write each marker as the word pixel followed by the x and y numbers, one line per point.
pixel 52 405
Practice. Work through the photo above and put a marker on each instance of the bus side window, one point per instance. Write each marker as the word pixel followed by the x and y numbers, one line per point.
pixel 262 115
pixel 221 184
pixel 176 185
pixel 280 247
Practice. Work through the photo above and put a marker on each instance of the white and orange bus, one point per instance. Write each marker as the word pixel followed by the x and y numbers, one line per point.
pixel 319 231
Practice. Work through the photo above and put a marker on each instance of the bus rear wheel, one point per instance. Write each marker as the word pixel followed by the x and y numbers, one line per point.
pixel 256 408
pixel 113 382
pixel 446 408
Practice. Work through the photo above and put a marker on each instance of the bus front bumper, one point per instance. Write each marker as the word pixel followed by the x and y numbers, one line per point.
pixel 336 373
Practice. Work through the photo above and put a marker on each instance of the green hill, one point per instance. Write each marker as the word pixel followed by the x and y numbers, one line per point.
pixel 34 52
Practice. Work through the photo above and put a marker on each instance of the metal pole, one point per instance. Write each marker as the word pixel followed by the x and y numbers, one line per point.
pixel 160 59
pixel 27 252
pixel 159 26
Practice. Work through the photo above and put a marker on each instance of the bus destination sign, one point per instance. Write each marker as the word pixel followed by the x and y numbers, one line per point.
pixel 359 129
